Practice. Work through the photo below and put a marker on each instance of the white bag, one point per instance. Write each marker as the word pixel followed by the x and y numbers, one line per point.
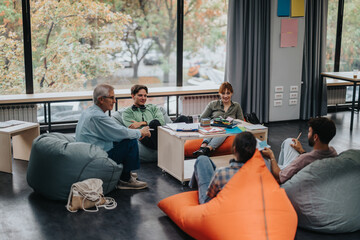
pixel 88 194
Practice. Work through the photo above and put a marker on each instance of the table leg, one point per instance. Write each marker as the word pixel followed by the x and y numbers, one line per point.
pixel 5 152
pixel 22 143
pixel 352 108
pixel 171 154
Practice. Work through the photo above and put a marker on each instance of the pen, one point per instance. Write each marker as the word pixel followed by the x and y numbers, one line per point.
pixel 299 136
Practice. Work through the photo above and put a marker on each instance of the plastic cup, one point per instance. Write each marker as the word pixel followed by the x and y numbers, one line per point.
pixel 355 73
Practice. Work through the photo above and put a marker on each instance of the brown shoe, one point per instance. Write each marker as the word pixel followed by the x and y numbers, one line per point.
pixel 131 184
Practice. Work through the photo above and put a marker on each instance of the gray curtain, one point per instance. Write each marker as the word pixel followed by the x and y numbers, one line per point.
pixel 313 90
pixel 248 55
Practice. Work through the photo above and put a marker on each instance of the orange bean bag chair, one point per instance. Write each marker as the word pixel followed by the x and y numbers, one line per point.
pixel 250 206
pixel 191 146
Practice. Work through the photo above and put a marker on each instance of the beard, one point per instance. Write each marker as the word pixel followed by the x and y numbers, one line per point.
pixel 311 141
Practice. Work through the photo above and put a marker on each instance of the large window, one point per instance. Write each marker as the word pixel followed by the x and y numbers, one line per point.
pixel 73 44
pixel 349 46
pixel 205 26
pixel 78 44
pixel 331 34
pixel 12 71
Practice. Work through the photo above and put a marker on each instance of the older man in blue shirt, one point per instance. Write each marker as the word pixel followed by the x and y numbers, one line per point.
pixel 119 142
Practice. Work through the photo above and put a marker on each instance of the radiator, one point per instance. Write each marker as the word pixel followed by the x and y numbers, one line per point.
pixel 336 95
pixel 23 112
pixel 195 105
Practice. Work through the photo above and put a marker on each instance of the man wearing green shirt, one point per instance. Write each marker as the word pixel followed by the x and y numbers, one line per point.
pixel 141 114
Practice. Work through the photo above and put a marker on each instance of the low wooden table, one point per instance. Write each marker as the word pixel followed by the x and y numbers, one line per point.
pixel 22 136
pixel 171 151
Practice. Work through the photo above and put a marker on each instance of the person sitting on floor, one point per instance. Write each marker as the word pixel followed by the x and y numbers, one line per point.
pixel 96 127
pixel 141 114
pixel 224 108
pixel 293 157
pixel 211 181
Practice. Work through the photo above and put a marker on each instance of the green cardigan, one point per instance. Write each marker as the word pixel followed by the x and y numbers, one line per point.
pixel 139 115
pixel 216 109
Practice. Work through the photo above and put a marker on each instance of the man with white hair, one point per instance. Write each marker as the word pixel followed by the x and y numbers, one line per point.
pixel 96 127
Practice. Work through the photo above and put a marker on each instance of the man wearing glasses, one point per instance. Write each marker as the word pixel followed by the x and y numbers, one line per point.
pixel 96 127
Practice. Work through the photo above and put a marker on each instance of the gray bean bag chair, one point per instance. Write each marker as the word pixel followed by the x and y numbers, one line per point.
pixel 326 194
pixel 146 154
pixel 57 161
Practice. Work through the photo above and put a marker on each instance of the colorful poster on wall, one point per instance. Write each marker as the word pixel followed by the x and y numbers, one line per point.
pixel 297 8
pixel 289 32
pixel 283 8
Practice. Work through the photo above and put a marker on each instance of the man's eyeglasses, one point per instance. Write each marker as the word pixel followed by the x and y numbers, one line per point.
pixel 112 97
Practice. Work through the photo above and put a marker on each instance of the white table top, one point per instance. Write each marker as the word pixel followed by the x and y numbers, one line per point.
pixel 195 135
pixel 18 127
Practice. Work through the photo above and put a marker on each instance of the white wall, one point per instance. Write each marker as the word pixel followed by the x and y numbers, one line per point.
pixel 285 69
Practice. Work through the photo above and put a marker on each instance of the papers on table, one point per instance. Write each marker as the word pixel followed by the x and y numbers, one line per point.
pixel 255 127
pixel 261 145
pixel 183 127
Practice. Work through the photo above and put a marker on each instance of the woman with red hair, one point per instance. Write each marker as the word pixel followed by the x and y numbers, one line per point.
pixel 224 107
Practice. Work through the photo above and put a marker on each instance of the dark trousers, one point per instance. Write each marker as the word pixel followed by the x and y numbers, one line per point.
pixel 152 142
pixel 127 153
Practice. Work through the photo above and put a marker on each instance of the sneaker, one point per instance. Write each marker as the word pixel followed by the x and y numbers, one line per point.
pixel 131 184
pixel 134 175
pixel 202 151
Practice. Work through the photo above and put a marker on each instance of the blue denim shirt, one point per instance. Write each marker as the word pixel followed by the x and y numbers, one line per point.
pixel 95 127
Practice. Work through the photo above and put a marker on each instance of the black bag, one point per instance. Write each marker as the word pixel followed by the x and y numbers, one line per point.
pixel 251 118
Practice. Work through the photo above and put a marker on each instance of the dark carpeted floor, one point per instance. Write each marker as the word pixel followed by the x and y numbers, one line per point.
pixel 26 215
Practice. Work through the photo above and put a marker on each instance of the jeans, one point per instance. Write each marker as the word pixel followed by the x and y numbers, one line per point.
pixel 287 153
pixel 203 172
pixel 214 142
pixel 127 153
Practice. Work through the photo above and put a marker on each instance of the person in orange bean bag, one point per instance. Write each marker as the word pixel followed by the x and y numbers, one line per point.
pixel 210 180
pixel 250 206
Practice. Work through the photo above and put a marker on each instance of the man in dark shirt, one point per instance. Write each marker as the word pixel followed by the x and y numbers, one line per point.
pixel 293 157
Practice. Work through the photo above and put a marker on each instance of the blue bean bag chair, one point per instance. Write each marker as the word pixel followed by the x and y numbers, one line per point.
pixel 57 161
pixel 326 194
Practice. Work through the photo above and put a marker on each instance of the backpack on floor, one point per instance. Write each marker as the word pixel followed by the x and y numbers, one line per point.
pixel 251 118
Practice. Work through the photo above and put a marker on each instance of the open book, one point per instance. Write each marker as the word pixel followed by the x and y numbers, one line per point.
pixel 211 130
